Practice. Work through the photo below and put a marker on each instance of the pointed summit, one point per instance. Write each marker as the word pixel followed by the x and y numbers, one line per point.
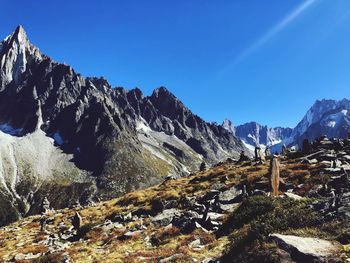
pixel 228 125
pixel 20 35
pixel 15 52
pixel 162 91
pixel 20 30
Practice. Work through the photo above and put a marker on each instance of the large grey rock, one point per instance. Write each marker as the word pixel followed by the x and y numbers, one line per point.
pixel 165 218
pixel 306 249
pixel 229 195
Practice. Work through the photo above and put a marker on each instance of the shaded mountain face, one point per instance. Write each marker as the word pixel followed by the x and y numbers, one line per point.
pixel 59 130
pixel 325 117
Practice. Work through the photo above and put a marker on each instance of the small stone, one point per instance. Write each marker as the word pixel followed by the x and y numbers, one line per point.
pixel 293 196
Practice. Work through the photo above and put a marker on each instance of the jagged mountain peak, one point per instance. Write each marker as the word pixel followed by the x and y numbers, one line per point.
pixel 15 53
pixel 163 92
pixel 168 104
pixel 123 138
pixel 325 117
pixel 19 36
pixel 16 38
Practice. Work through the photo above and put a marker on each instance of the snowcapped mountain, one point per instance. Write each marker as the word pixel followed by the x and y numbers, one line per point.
pixel 253 134
pixel 325 117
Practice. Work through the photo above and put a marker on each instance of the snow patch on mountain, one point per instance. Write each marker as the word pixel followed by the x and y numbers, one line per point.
pixel 142 125
pixel 249 146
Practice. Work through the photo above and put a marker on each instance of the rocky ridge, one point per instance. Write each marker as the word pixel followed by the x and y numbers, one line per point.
pixel 115 140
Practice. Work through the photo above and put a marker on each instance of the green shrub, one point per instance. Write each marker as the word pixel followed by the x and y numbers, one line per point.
pixel 263 216
pixel 249 210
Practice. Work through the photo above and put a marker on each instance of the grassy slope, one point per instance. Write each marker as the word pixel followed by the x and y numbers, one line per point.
pixel 100 245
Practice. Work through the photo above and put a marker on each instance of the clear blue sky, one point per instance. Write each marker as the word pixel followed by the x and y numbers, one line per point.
pixel 242 59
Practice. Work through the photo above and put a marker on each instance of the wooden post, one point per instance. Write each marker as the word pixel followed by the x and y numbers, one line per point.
pixel 275 175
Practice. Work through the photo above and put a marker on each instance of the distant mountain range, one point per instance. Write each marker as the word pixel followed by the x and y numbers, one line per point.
pixel 325 117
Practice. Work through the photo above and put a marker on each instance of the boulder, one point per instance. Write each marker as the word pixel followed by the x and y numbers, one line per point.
pixel 293 196
pixel 215 216
pixel 165 218
pixel 305 249
pixel 228 207
pixel 229 195
pixel 195 243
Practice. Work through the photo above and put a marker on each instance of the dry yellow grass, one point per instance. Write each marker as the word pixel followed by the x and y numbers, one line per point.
pixel 100 245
